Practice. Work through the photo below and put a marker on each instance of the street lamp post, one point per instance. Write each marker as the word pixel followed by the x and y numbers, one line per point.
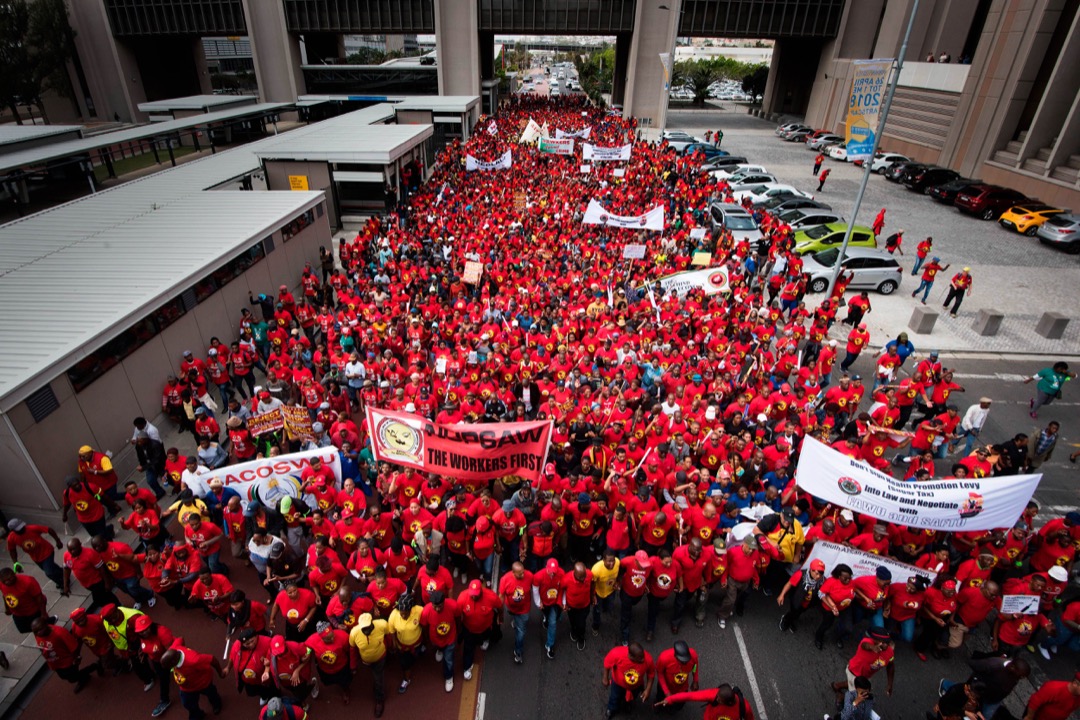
pixel 867 164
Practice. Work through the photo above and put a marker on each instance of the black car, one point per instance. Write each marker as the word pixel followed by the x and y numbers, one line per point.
pixel 926 178
pixel 723 163
pixel 946 192
pixel 777 205
pixel 897 170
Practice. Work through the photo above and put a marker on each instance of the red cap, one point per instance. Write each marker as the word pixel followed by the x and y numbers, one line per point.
pixel 277 645
pixel 817 564
pixel 549 469
pixel 475 587
pixel 642 557
pixel 346 513
pixel 948 585
pixel 107 610
pixel 78 613
pixel 265 394
pixel 142 623
pixel 552 564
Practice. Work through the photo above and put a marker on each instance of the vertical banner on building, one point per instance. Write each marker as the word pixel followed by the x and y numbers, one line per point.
pixel 864 105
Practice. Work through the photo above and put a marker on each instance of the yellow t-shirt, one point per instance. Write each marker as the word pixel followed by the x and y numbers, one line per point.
pixel 183 511
pixel 605 581
pixel 787 541
pixel 406 629
pixel 371 647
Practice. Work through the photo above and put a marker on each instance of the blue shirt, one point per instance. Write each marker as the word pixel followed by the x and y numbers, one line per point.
pixel 774 504
pixel 902 349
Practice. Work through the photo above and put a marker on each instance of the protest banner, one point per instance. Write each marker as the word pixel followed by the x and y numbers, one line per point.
pixel 697 233
pixel 297 423
pixel 633 251
pixel 473 271
pixel 701 258
pixel 1019 605
pixel 956 505
pixel 583 133
pixel 503 163
pixel 598 154
pixel 864 105
pixel 709 280
pixel 862 562
pixel 618 172
pixel 270 479
pixel 586 169
pixel 557 147
pixel 531 132
pixel 595 214
pixel 266 422
pixel 470 452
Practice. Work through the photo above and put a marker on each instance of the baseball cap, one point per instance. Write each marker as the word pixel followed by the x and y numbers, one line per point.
pixel 142 623
pixel 85 449
pixel 552 564
pixel 475 586
pixel 549 469
pixel 948 585
pixel 16 525
pixel 641 556
pixel 277 645
pixel 107 610
pixel 321 626
pixel 1058 573
pixel 817 564
pixel 876 633
pixel 211 352
pixel 274 708
pixel 78 613
pixel 847 515
pixel 584 499
pixel 883 573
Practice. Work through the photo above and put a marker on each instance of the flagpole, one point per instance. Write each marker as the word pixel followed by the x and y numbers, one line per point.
pixel 868 163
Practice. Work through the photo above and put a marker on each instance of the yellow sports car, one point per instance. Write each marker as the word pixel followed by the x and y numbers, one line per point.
pixel 1027 218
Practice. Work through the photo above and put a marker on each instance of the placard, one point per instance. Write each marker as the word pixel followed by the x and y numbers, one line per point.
pixel 1019 605
pixel 633 252
pixel 440 365
pixel 298 182
pixel 557 147
pixel 697 233
pixel 297 423
pixel 265 423
pixel 586 169
pixel 473 271
pixel 701 259
pixel 596 214
pixel 618 172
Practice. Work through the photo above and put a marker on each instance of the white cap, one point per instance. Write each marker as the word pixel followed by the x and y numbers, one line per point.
pixel 410 407
pixel 847 515
pixel 211 352
pixel 1058 573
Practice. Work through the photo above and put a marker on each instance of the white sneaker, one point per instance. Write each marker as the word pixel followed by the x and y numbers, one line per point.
pixel 450 685
pixel 150 685
pixel 723 623
pixel 314 687
pixel 1044 652
pixel 151 602
pixel 438 655
pixel 468 674
pixel 137 606
pixel 484 645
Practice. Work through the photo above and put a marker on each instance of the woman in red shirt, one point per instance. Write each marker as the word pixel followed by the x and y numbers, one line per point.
pixel 836 595
pixel 938 608
pixel 902 606
pixel 297 605
pixel 804 586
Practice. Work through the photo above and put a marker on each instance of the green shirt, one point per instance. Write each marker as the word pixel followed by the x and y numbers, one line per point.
pixel 1050 382
pixel 260 331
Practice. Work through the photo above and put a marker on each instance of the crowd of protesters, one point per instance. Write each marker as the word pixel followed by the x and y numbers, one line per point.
pixel 676 419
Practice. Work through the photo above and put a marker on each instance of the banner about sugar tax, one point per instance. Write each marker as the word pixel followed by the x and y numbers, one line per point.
pixel 708 280
pixel 953 505
pixel 270 479
pixel 595 214
pixel 470 452
pixel 862 562
pixel 503 163
pixel 583 133
pixel 600 154
pixel 557 147
pixel 864 106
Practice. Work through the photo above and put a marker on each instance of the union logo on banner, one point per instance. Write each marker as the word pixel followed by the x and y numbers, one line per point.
pixel 399 440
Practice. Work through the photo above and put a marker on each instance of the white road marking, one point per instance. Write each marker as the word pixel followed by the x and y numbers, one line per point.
pixel 1007 377
pixel 759 703
pixel 481 702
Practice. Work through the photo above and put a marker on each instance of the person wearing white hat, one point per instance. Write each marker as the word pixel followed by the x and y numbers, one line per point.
pixel 1067 621
pixel 972 424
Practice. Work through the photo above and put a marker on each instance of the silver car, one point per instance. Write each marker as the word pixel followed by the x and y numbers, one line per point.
pixel 872 269
pixel 736 220
pixel 821 141
pixel 808 217
pixel 1061 232
pixel 679 140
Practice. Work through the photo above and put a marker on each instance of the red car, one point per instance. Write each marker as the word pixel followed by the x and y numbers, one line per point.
pixel 987 201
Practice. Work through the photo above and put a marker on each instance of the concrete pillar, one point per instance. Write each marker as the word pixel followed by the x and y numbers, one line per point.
pixel 770 100
pixel 951 29
pixel 457 47
pixel 922 320
pixel 646 94
pixel 618 77
pixel 988 322
pixel 112 74
pixel 275 50
pixel 1052 325
pixel 893 25
pixel 486 43
pixel 201 67
pixel 1058 97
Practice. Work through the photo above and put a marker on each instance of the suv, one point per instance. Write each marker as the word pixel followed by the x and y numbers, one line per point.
pixel 947 192
pixel 923 179
pixel 871 269
pixel 1061 232
pixel 987 201
pixel 897 170
pixel 736 220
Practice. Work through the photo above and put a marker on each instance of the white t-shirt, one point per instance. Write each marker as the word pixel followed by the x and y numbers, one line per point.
pixel 193 482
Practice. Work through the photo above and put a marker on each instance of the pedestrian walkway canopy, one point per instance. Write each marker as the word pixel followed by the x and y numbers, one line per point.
pixel 181 107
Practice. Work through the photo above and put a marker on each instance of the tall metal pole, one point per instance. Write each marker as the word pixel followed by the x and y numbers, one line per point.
pixel 877 140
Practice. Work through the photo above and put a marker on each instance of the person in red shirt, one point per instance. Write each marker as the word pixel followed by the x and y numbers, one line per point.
pixel 634 572
pixel 440 617
pixel 721 703
pixel 836 595
pixel 547 583
pixel 1015 631
pixel 676 671
pixel 876 541
pixel 803 587
pixel 973 605
pixel 212 591
pixel 870 593
pixel 31 540
pixel 692 565
pixel 297 605
pixel 664 580
pixel 291 667
pixel 875 652
pixel 629 672
pixel 250 658
pixel 743 571
pixel 60 649
pixel 23 599
pixel 193 673
pixel 480 610
pixel 89 503
pixel 154 640
pixel 1055 700
pixel 89 569
pixel 576 588
pixel 515 590
pixel 123 569
pixel 432 576
pixel 384 592
pixel 937 611
pixel 584 516
pixel 334 657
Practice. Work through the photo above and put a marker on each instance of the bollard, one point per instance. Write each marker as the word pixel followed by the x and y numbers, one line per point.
pixel 922 320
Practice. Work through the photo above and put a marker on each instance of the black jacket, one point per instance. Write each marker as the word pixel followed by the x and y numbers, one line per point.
pixel 151 455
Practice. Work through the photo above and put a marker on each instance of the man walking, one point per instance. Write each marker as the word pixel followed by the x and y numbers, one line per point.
pixel 193 673
pixel 1051 380
pixel 921 251
pixel 958 288
pixel 817 163
pixel 31 538
pixel 822 177
pixel 930 271
pixel 894 241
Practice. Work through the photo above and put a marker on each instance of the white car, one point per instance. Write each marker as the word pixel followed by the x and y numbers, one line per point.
pixel 736 169
pixel 743 180
pixel 884 161
pixel 736 220
pixel 679 140
pixel 838 152
pixel 761 193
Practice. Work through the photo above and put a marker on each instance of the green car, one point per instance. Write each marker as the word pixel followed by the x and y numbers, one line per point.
pixel 830 235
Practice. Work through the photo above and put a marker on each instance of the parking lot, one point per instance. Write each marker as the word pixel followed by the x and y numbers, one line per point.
pixel 1012 273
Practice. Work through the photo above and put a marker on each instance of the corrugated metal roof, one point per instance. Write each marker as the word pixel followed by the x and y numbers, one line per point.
pixel 196 102
pixel 439 103
pixel 65 304
pixel 55 151
pixel 348 142
pixel 21 133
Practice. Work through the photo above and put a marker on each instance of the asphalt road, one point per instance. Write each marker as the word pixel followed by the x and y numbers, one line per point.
pixel 782 674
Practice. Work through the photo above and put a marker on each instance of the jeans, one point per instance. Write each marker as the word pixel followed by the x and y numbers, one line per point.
pixel 246 379
pixel 448 661
pixel 617 699
pixel 653 612
pixel 52 571
pixel 520 621
pixel 602 605
pixel 969 440
pixel 469 642
pixel 1064 636
pixel 153 481
pixel 918 264
pixel 225 392
pixel 626 613
pixel 485 566
pixel 213 561
pixel 849 360
pixel 924 288
pixel 131 586
pixel 578 617
pixel 190 701
pixel 552 613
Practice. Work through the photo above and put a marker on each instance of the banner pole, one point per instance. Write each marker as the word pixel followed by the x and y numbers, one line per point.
pixel 877 141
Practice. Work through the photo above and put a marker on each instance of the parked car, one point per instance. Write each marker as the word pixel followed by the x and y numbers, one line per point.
pixel 761 193
pixel 709 150
pixel 802 218
pixel 823 237
pixel 802 130
pixel 777 205
pixel 799 135
pixel 871 269
pixel 987 201
pixel 883 161
pixel 723 162
pixel 946 193
pixel 679 140
pixel 740 181
pixel 896 170
pixel 838 152
pixel 923 179
pixel 1061 232
pixel 736 220
pixel 909 170
pixel 816 143
pixel 1026 219
pixel 781 129
pixel 725 173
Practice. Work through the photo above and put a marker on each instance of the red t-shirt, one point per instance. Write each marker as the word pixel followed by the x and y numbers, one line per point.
pixel 1053 701
pixel 664 578
pixel 333 656
pixel 23 598
pixel 839 593
pixel 868 661
pixel 442 626
pixel 515 593
pixel 635 579
pixel 32 541
pixel 972 607
pixel 86 567
pixel 676 676
pixel 59 648
pixel 194 673
pixel 578 592
pixel 295 610
pixel 477 614
pixel 625 672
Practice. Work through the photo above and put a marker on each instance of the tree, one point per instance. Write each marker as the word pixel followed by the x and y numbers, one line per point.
pixel 37 40
pixel 595 73
pixel 367 56
pixel 53 44
pixel 754 82
pixel 15 80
